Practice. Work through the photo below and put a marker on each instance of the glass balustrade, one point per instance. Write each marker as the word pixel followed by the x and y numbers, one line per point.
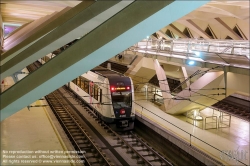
pixel 228 52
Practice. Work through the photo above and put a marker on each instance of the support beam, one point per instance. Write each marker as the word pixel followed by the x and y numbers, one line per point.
pixel 230 32
pixel 163 35
pixel 190 24
pixel 32 28
pixel 185 76
pixel 93 49
pixel 175 30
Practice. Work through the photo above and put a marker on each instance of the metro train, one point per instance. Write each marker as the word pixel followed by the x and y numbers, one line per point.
pixel 110 94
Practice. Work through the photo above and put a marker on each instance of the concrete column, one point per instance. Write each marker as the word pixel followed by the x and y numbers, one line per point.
pixel 187 100
pixel 185 76
pixel 161 75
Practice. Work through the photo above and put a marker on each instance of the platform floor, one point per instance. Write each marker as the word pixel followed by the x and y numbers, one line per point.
pixel 234 139
pixel 29 137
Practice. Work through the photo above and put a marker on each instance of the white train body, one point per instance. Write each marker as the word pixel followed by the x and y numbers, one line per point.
pixel 110 94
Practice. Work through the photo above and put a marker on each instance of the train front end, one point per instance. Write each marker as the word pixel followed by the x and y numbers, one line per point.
pixel 122 96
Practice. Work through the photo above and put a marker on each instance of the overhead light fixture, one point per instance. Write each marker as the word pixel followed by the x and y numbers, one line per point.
pixel 190 62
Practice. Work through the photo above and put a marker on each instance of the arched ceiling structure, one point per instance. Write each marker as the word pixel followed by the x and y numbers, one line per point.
pixel 215 20
pixel 15 14
pixel 22 12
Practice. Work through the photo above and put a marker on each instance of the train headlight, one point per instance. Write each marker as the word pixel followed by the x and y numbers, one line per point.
pixel 112 88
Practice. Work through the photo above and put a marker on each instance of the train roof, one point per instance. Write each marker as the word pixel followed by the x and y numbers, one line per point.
pixel 106 72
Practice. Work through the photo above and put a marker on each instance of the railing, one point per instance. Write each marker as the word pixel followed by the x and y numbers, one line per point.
pixel 224 120
pixel 198 50
pixel 196 122
pixel 236 47
pixel 191 136
pixel 210 123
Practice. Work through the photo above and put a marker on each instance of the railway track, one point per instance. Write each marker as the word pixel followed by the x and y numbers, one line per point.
pixel 87 150
pixel 141 150
pixel 136 149
pixel 127 146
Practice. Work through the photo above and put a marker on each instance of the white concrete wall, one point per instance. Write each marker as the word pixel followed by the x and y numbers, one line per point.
pixel 148 63
pixel 244 26
pixel 202 24
pixel 237 83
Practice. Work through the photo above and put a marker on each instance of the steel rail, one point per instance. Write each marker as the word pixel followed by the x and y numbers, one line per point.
pixel 115 134
pixel 105 161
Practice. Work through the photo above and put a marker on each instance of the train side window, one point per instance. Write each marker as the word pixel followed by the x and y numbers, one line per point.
pixel 96 92
pixel 80 80
pixel 86 86
pixel 100 96
pixel 82 83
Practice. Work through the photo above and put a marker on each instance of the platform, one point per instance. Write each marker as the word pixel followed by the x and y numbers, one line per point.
pixel 233 140
pixel 29 137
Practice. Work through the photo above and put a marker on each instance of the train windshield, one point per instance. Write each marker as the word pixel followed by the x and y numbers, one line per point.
pixel 121 99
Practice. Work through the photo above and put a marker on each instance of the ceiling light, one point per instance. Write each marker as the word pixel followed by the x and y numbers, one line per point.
pixel 191 62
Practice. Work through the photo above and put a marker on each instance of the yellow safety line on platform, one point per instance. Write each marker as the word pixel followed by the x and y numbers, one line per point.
pixel 56 132
pixel 163 126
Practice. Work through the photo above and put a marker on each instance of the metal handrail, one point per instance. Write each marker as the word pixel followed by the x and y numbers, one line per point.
pixel 211 122
pixel 199 45
pixel 191 135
